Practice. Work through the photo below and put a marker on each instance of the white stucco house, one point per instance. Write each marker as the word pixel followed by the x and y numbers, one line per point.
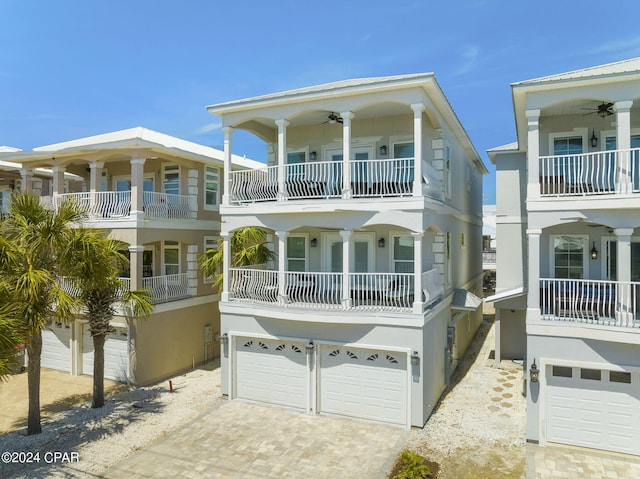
pixel 568 204
pixel 372 201
pixel 160 195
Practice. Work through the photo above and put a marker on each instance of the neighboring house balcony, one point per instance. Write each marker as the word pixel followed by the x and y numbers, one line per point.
pixel 326 291
pixel 375 178
pixel 489 259
pixel 612 172
pixel 116 205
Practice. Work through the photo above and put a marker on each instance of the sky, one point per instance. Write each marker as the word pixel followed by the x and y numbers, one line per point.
pixel 76 68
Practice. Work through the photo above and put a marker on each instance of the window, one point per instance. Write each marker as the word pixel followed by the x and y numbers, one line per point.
pixel 591 374
pixel 296 161
pixel 171 257
pixel 211 187
pixel 619 377
pixel 570 145
pixel 211 243
pixel 171 180
pixel 404 167
pixel 562 372
pixel 447 172
pixel 403 254
pixel 296 253
pixel 569 257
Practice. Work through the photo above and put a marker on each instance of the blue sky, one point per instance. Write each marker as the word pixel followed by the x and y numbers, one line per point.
pixel 70 69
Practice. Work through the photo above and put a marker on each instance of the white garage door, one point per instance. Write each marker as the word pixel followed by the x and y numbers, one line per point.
pixel 594 408
pixel 272 371
pixel 116 355
pixel 363 383
pixel 56 347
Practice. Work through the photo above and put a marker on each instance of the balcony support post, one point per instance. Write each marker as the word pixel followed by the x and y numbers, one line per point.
pixel 27 180
pixel 533 296
pixel 623 145
pixel 58 179
pixel 135 266
pixel 346 154
pixel 346 260
pixel 282 266
pixel 418 304
pixel 95 168
pixel 533 154
pixel 624 299
pixel 417 108
pixel 137 182
pixel 226 265
pixel 282 158
pixel 228 131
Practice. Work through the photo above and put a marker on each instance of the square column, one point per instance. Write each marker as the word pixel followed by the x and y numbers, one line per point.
pixel 282 266
pixel 226 264
pixel 137 187
pixel 624 173
pixel 533 282
pixel 533 154
pixel 58 179
pixel 27 179
pixel 346 260
pixel 228 131
pixel 624 293
pixel 282 158
pixel 346 154
pixel 135 267
pixel 417 108
pixel 417 272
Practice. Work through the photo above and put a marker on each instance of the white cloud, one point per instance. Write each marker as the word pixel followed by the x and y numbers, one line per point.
pixel 470 59
pixel 621 46
pixel 209 127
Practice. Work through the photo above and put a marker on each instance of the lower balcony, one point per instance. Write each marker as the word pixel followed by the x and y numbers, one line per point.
pixel 326 291
pixel 606 303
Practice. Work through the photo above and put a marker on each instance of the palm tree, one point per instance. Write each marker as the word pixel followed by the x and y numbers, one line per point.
pixel 9 341
pixel 95 277
pixel 248 247
pixel 34 251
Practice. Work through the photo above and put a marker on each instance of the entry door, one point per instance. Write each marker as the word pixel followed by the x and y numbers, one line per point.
pixel 361 254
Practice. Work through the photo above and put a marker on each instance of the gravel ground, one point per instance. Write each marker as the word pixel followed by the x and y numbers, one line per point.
pixel 102 437
pixel 478 427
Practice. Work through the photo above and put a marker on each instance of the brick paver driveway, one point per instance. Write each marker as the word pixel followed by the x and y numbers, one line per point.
pixel 238 439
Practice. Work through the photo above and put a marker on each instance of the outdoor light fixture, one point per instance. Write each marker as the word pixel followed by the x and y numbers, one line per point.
pixel 594 139
pixel 381 243
pixel 224 339
pixel 383 150
pixel 309 347
pixel 313 155
pixel 534 372
pixel 594 251
pixel 415 358
pixel 314 242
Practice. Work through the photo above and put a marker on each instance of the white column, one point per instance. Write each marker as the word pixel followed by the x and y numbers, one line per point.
pixel 346 260
pixel 228 131
pixel 27 179
pixel 346 153
pixel 533 154
pixel 282 158
pixel 282 265
pixel 417 271
pixel 135 266
pixel 137 187
pixel 624 299
pixel 623 145
pixel 226 264
pixel 533 283
pixel 417 108
pixel 95 167
pixel 58 179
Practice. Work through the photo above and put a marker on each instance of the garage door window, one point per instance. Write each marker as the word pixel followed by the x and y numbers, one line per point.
pixel 562 372
pixel 619 377
pixel 591 374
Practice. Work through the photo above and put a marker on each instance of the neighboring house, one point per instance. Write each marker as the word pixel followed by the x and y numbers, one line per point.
pixel 489 246
pixel 372 298
pixel 161 196
pixel 569 193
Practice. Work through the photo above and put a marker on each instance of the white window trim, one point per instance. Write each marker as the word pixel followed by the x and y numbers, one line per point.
pixel 206 206
pixel 205 240
pixel 164 248
pixel 585 256
pixel 306 249
pixel 604 134
pixel 164 169
pixel 392 260
pixel 581 132
pixel 115 178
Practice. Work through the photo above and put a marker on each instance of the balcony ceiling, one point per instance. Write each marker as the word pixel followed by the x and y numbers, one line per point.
pixel 577 107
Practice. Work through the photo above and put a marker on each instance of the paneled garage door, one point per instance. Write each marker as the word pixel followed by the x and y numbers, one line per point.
pixel 363 383
pixel 272 371
pixel 594 408
pixel 56 344
pixel 116 355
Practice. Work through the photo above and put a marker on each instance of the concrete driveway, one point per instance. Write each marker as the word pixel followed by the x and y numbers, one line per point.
pixel 240 439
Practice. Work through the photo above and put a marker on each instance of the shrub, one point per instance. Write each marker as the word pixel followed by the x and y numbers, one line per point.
pixel 413 466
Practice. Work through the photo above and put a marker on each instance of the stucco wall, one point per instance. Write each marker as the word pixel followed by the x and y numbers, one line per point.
pixel 172 341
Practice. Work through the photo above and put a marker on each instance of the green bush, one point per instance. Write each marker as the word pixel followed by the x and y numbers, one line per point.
pixel 413 467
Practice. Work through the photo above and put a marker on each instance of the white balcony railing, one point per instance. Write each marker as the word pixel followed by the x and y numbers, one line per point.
pixel 116 205
pixel 598 173
pixel 608 303
pixel 167 288
pixel 324 290
pixel 324 179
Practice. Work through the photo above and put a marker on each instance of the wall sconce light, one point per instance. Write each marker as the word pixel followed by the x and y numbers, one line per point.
pixel 313 155
pixel 594 251
pixel 594 139
pixel 383 150
pixel 534 372
pixel 224 339
pixel 381 243
pixel 309 347
pixel 314 242
pixel 415 358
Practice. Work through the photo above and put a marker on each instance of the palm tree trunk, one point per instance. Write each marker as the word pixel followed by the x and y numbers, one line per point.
pixel 98 370
pixel 34 349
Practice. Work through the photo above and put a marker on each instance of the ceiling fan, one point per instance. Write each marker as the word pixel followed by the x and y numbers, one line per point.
pixel 333 118
pixel 604 109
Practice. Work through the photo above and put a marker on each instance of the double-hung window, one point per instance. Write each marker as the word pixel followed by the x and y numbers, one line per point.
pixel 403 254
pixel 211 187
pixel 171 179
pixel 296 253
pixel 569 256
pixel 171 257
